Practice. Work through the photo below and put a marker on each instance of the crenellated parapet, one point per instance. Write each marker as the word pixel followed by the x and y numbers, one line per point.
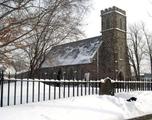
pixel 112 9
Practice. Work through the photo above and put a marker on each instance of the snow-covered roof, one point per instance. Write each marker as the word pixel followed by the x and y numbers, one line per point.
pixel 79 52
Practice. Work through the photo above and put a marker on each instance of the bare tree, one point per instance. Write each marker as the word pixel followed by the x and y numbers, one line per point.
pixel 148 38
pixel 61 22
pixel 16 17
pixel 136 48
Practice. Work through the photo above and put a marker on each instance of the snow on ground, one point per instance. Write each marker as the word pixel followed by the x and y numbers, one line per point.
pixel 92 107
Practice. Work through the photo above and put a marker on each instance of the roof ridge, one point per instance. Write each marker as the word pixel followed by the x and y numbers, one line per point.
pixel 77 41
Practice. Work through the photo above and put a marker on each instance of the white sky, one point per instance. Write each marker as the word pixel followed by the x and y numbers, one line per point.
pixel 136 10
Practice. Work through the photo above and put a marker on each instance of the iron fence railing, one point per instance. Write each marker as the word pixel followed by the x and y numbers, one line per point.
pixel 15 91
pixel 126 86
pixel 20 91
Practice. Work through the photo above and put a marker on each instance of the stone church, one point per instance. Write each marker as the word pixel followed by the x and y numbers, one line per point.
pixel 93 58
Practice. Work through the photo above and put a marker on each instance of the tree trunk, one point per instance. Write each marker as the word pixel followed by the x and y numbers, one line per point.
pixel 151 65
pixel 31 73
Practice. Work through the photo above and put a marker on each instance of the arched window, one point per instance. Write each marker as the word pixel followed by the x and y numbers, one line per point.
pixel 120 76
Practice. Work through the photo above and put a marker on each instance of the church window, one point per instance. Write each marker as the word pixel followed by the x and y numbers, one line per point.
pixel 107 23
pixel 103 25
pixel 121 24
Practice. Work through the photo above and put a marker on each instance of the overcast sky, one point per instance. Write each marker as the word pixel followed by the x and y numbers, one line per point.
pixel 136 10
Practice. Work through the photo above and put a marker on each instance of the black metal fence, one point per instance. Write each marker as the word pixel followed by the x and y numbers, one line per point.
pixel 20 91
pixel 126 86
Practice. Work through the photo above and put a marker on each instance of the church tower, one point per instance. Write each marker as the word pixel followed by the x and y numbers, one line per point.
pixel 114 61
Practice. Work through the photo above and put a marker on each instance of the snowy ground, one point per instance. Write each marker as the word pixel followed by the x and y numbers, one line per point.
pixel 92 107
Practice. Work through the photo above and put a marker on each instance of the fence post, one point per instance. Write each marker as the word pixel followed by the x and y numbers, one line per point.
pixel 106 87
pixel 2 81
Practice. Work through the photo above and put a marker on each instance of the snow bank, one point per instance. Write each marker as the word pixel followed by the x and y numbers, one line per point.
pixel 142 106
pixel 92 107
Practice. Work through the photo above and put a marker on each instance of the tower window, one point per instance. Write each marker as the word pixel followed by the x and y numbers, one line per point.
pixel 107 23
pixel 121 24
